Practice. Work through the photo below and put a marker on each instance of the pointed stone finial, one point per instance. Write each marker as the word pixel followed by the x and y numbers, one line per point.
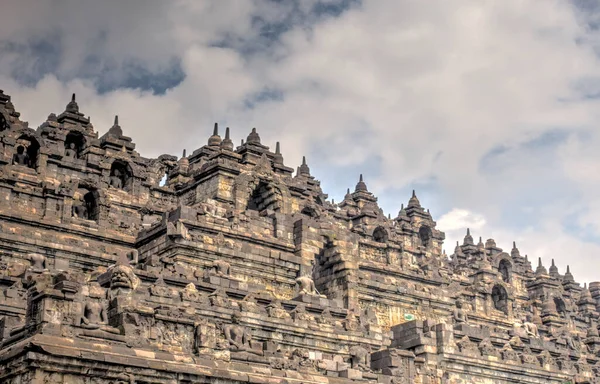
pixel 361 186
pixel 184 153
pixel 515 251
pixel 389 216
pixel 480 245
pixel 72 107
pixel 304 170
pixel 568 276
pixel 278 151
pixel 402 213
pixel 278 158
pixel 553 270
pixel 348 191
pixel 414 201
pixel 227 144
pixel 468 238
pixel 242 141
pixel 116 130
pixel 541 270
pixel 215 139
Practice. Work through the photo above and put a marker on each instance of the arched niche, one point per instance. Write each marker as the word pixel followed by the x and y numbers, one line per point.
pixel 505 269
pixel 74 144
pixel 121 175
pixel 27 151
pixel 265 196
pixel 425 235
pixel 500 298
pixel 86 204
pixel 561 307
pixel 310 212
pixel 4 126
pixel 380 235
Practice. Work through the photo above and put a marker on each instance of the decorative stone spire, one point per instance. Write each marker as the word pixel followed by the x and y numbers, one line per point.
pixel 553 270
pixel 541 270
pixel 361 186
pixel 115 130
pixel 480 245
pixel 568 276
pixel 253 137
pixel 414 202
pixel 303 170
pixel 514 252
pixel 215 139
pixel 227 144
pixel 468 238
pixel 278 158
pixel 402 214
pixel 490 243
pixel 458 250
pixel 586 296
pixel 72 107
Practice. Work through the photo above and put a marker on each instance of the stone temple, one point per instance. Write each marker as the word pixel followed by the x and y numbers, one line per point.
pixel 226 266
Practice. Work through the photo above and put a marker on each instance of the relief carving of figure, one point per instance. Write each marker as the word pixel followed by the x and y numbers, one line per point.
pixel 351 323
pixel 94 317
pixel 530 328
pixel 70 151
pixel 220 268
pixel 218 298
pixel 301 358
pixel 460 316
pixel 122 278
pixel 360 358
pixel 116 179
pixel 248 304
pixel 191 293
pixel 276 310
pixel 38 262
pixel 306 286
pixel 300 314
pixel 80 210
pixel 239 339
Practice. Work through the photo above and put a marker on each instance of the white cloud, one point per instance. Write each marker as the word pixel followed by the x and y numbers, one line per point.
pixel 429 88
pixel 459 219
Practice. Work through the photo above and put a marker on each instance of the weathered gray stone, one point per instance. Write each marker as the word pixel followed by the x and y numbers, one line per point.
pixel 236 270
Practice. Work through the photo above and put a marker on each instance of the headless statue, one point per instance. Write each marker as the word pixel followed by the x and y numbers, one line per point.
pixel 21 157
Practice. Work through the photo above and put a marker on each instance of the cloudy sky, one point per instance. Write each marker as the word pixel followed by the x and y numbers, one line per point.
pixel 489 109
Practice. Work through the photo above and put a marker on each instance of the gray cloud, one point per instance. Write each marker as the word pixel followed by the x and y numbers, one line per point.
pixel 489 108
